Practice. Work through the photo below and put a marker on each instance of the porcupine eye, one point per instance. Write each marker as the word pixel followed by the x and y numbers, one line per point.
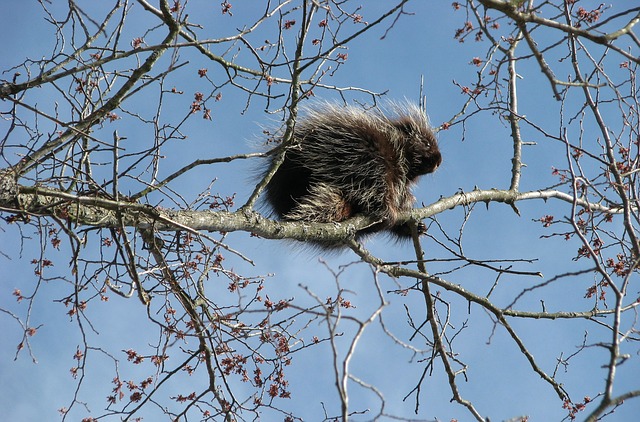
pixel 421 148
pixel 429 162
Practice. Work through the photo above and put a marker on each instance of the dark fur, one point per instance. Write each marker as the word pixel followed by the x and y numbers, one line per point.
pixel 346 161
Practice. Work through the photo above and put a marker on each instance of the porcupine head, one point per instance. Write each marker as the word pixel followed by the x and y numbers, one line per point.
pixel 348 160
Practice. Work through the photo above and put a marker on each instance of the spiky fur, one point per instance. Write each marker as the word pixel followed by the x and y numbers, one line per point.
pixel 347 160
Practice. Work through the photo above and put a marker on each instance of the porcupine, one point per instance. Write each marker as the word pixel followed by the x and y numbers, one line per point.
pixel 346 160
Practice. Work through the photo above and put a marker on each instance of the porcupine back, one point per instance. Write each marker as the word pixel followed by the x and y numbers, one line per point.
pixel 347 160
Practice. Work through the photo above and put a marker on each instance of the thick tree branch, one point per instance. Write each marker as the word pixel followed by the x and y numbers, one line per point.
pixel 99 211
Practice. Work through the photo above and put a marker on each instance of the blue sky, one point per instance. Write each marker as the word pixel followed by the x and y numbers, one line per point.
pixel 420 45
